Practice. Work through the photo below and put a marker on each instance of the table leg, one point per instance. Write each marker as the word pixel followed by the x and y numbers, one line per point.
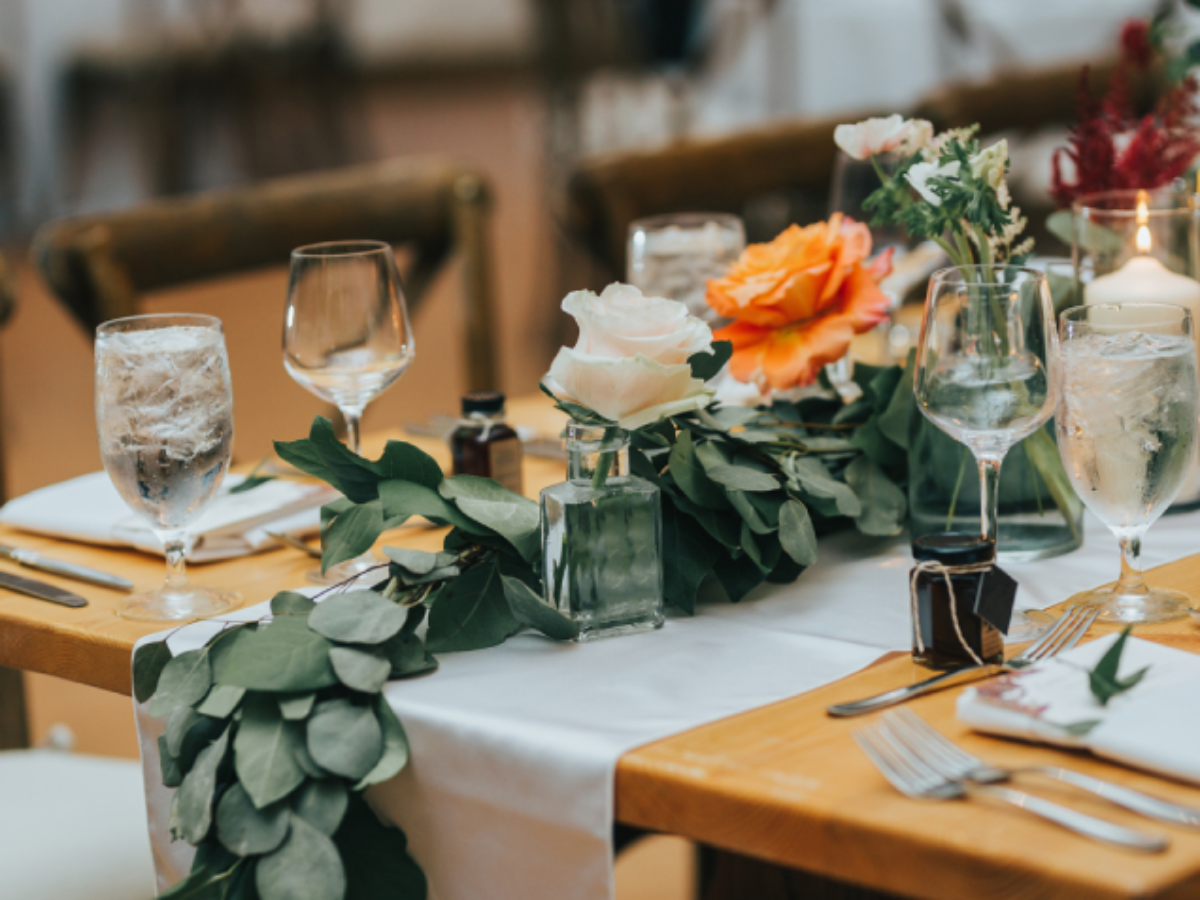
pixel 730 876
pixel 14 723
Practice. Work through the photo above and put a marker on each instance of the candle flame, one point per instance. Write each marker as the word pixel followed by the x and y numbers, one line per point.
pixel 1143 217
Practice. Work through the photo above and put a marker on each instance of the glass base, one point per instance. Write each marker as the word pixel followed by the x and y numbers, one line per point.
pixel 344 571
pixel 1156 605
pixel 1028 625
pixel 1024 540
pixel 164 606
pixel 616 629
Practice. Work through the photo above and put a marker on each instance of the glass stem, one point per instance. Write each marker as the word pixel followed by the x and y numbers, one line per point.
pixel 352 417
pixel 175 548
pixel 989 497
pixel 1131 582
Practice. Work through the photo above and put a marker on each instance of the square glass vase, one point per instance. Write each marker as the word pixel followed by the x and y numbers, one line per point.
pixel 602 538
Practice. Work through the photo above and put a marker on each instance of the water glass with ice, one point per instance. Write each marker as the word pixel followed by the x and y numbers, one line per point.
pixel 164 414
pixel 1127 432
pixel 675 255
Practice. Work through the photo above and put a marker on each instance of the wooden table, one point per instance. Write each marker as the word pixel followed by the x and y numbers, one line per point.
pixel 782 784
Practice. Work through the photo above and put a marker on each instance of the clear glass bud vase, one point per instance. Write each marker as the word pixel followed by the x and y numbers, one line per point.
pixel 602 538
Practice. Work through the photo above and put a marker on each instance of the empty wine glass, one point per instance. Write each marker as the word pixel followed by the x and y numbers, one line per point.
pixel 1127 433
pixel 986 374
pixel 164 416
pixel 346 337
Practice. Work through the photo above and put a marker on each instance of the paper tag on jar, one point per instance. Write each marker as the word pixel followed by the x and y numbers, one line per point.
pixel 997 594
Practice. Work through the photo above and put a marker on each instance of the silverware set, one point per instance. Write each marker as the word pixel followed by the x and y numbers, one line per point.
pixel 1065 634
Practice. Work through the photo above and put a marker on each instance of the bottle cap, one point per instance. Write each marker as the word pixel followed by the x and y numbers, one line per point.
pixel 952 549
pixel 483 402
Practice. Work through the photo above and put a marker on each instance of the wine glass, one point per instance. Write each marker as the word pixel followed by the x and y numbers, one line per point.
pixel 346 337
pixel 1127 433
pixel 164 416
pixel 675 255
pixel 987 375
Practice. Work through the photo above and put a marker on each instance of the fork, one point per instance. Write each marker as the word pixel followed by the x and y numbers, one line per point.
pixel 912 776
pixel 955 763
pixel 1065 634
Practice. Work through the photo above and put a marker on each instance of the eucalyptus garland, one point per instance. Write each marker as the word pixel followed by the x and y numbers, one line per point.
pixel 275 728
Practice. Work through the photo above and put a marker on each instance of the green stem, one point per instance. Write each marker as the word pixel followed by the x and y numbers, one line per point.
pixel 950 252
pixel 964 248
pixel 962 471
pixel 604 464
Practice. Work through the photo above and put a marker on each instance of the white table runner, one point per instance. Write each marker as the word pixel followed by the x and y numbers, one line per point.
pixel 509 793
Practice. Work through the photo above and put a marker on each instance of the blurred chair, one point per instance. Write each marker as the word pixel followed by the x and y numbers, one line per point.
pixel 98 265
pixel 714 175
pixel 14 723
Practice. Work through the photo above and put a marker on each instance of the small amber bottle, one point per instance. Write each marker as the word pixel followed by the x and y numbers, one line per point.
pixel 943 649
pixel 483 444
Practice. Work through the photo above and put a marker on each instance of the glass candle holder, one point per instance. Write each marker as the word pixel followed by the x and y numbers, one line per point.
pixel 1134 246
pixel 675 255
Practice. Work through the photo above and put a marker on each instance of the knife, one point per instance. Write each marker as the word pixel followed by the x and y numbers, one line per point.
pixel 40 589
pixel 35 560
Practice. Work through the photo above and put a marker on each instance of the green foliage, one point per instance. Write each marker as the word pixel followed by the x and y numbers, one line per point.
pixel 1104 680
pixel 708 365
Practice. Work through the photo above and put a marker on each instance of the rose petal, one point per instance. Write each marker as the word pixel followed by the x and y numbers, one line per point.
pixel 620 388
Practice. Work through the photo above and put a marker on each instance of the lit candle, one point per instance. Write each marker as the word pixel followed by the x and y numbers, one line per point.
pixel 1144 280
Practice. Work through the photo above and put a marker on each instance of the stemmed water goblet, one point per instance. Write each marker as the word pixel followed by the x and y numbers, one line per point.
pixel 346 337
pixel 164 416
pixel 987 375
pixel 1127 433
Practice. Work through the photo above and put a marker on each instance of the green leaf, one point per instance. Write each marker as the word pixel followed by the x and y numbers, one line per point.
pixel 690 476
pixel 377 862
pixel 364 669
pixel 749 512
pixel 283 656
pixel 250 482
pixel 796 533
pixel 894 420
pixel 872 441
pixel 688 555
pixel 296 707
pixel 513 517
pixel 709 365
pixel 243 829
pixel 180 720
pixel 221 701
pixel 352 534
pixel 813 477
pixel 184 682
pixel 395 747
pixel 264 751
pixel 884 504
pixel 724 528
pixel 741 478
pixel 406 651
pixel 213 880
pixel 407 462
pixel 305 761
pixel 352 475
pixel 529 609
pixel 172 775
pixel 306 866
pixel 883 385
pixel 471 612
pixel 580 414
pixel 1104 680
pixel 402 499
pixel 191 807
pixel 322 804
pixel 738 576
pixel 345 738
pixel 357 617
pixel 418 562
pixel 304 456
pixel 148 662
pixel 291 603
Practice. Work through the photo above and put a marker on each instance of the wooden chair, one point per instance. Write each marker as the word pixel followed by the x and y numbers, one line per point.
pixel 714 175
pixel 14 724
pixel 98 265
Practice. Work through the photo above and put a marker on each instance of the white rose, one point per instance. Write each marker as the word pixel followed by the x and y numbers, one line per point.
pixel 918 176
pixel 989 165
pixel 874 136
pixel 631 361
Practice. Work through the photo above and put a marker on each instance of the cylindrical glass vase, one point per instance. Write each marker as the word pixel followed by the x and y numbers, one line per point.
pixel 1133 246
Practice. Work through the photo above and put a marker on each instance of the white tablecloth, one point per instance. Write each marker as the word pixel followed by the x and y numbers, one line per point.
pixel 509 793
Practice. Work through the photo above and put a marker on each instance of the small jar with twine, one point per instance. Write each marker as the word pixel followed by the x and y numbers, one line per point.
pixel 944 588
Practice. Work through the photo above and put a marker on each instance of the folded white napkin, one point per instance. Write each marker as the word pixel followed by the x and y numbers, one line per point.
pixel 90 510
pixel 1154 726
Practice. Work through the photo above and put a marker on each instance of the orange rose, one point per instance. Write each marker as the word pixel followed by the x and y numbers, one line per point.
pixel 798 301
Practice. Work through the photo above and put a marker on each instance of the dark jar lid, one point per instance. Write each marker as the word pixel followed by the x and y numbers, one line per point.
pixel 952 549
pixel 482 402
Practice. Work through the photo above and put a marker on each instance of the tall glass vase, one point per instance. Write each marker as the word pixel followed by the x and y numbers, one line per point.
pixel 1039 514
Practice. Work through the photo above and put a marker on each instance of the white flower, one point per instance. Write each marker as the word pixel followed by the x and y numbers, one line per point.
pixel 631 361
pixel 875 136
pixel 918 176
pixel 989 165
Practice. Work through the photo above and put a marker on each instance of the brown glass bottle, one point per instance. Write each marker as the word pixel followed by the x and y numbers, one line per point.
pixel 943 649
pixel 484 445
